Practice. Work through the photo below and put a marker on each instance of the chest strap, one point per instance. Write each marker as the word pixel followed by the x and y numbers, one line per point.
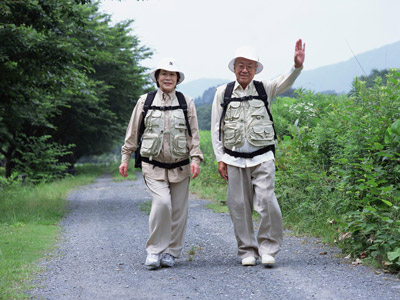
pixel 250 154
pixel 168 166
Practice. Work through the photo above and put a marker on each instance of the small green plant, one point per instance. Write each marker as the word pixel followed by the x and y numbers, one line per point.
pixel 146 207
pixel 192 252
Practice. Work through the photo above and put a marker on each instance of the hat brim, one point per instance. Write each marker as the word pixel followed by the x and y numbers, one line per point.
pixel 231 66
pixel 181 75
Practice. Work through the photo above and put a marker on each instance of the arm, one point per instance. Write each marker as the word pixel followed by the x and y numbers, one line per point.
pixel 285 81
pixel 215 119
pixel 194 142
pixel 131 137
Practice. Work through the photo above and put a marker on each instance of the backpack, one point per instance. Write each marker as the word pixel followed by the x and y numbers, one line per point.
pixel 262 95
pixel 148 105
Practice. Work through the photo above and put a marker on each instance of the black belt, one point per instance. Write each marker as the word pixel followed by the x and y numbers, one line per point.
pixel 166 165
pixel 251 154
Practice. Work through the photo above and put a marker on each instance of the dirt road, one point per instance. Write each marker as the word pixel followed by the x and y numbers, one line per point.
pixel 101 256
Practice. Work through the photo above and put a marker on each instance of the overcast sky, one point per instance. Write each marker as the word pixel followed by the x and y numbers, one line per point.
pixel 204 34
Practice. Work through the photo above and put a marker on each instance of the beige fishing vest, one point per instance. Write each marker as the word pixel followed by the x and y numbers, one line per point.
pixel 247 120
pixel 153 135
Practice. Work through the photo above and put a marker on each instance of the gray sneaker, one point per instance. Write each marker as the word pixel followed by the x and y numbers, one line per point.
pixel 153 261
pixel 167 260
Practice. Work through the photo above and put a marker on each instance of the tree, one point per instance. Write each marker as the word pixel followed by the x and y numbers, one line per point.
pixel 59 64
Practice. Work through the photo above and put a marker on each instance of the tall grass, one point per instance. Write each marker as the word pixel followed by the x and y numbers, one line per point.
pixel 29 216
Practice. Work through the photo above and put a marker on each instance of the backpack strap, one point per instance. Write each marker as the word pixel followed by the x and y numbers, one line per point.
pixel 146 106
pixel 262 95
pixel 227 100
pixel 261 92
pixel 183 105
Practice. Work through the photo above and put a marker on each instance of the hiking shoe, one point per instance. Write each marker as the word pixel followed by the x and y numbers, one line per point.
pixel 153 261
pixel 267 259
pixel 167 260
pixel 249 261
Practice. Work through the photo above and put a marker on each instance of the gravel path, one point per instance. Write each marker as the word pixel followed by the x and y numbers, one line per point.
pixel 101 256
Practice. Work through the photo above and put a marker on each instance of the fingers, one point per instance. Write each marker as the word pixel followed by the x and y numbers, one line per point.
pixel 299 45
pixel 123 170
pixel 223 170
pixel 194 169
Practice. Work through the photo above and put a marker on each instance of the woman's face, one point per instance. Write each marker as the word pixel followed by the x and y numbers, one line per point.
pixel 167 81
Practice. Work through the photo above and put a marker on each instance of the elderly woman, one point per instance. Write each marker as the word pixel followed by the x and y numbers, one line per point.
pixel 167 139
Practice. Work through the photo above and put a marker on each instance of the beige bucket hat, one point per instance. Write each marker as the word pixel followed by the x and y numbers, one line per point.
pixel 168 64
pixel 248 53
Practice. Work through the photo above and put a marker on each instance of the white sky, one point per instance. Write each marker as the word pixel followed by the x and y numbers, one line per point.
pixel 202 35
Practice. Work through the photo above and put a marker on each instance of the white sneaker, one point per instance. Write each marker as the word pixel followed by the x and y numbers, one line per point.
pixel 249 261
pixel 267 259
pixel 153 261
pixel 167 260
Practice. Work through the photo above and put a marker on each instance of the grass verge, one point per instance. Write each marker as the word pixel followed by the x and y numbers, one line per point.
pixel 29 217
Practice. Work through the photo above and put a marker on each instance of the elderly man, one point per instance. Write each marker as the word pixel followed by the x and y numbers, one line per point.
pixel 244 137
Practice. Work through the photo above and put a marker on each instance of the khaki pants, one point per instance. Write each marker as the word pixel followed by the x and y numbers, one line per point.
pixel 253 188
pixel 168 216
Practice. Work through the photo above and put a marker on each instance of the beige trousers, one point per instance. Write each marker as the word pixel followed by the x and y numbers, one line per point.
pixel 168 216
pixel 253 188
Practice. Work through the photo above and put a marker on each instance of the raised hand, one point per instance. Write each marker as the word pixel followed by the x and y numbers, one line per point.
pixel 299 53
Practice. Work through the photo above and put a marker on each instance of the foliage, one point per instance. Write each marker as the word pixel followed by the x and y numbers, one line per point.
pixel 67 77
pixel 209 184
pixel 204 116
pixel 29 215
pixel 338 163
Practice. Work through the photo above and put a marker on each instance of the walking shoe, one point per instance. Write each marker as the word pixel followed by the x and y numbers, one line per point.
pixel 249 261
pixel 167 260
pixel 153 261
pixel 267 259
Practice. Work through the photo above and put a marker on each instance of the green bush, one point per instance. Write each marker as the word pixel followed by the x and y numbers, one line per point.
pixel 338 163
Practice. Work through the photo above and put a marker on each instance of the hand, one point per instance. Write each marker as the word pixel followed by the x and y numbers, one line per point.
pixel 223 170
pixel 194 169
pixel 123 169
pixel 299 54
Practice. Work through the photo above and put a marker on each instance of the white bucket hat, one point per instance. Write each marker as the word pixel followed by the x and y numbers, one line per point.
pixel 248 53
pixel 167 64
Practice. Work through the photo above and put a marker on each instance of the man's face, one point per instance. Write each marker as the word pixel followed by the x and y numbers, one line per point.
pixel 167 81
pixel 245 69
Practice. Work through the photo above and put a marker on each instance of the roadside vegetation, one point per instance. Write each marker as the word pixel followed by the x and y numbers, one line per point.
pixel 29 225
pixel 338 168
pixel 75 79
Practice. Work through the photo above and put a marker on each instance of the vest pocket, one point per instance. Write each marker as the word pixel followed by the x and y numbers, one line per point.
pixel 179 146
pixel 151 145
pixel 233 136
pixel 261 134
pixel 233 111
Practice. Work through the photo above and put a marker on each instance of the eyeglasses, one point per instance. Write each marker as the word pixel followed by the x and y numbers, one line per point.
pixel 249 67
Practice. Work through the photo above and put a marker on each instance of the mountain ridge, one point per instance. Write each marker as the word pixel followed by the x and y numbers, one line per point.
pixel 333 78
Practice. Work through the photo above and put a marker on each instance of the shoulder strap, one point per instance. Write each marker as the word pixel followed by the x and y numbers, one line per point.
pixel 262 93
pixel 227 98
pixel 183 105
pixel 228 91
pixel 146 106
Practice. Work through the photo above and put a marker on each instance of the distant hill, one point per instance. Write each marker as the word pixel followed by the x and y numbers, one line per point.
pixel 339 77
pixel 331 78
pixel 195 88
